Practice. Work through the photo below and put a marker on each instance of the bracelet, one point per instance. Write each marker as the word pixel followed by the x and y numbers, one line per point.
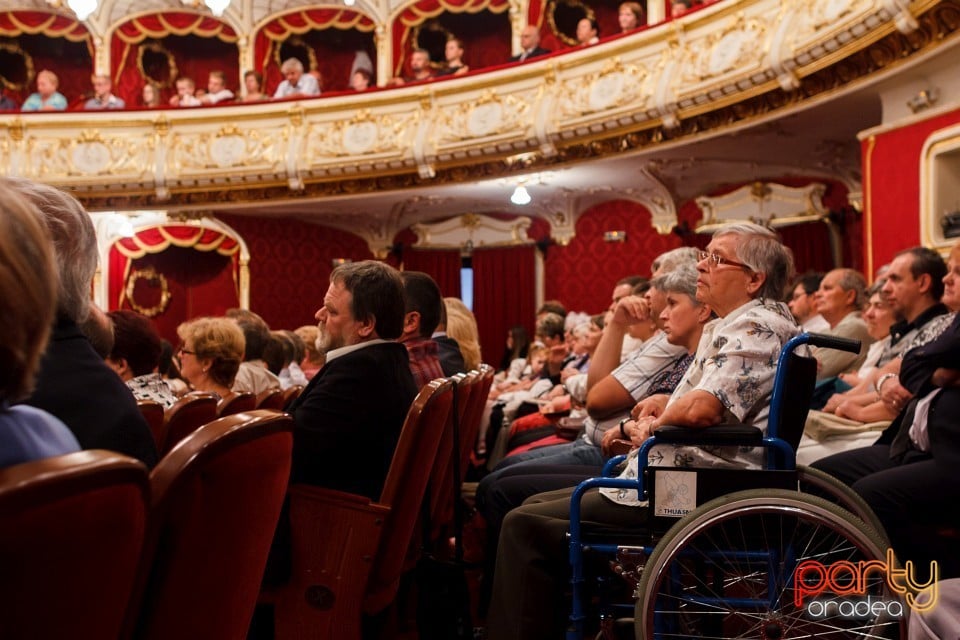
pixel 883 379
pixel 623 433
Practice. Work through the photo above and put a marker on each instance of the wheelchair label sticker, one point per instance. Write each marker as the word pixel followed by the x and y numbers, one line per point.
pixel 675 494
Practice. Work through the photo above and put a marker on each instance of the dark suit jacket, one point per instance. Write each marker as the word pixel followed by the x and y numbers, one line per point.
pixel 76 385
pixel 348 419
pixel 536 53
pixel 451 360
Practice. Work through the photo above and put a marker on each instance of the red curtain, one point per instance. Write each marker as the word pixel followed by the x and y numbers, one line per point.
pixel 504 283
pixel 442 266
pixel 54 42
pixel 482 49
pixel 199 44
pixel 335 35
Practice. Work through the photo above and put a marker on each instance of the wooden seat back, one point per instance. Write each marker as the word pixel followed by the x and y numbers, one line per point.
pixel 291 394
pixel 236 403
pixel 187 415
pixel 71 536
pixel 271 399
pixel 154 415
pixel 216 499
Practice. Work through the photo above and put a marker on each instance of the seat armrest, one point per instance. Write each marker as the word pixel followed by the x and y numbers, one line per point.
pixel 719 435
pixel 620 447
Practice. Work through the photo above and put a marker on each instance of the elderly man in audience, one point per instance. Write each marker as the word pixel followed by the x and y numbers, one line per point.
pixel 296 83
pixel 210 353
pixel 136 356
pixel 254 376
pixel 839 299
pixel 103 98
pixel 909 475
pixel 46 98
pixel 28 302
pixel 529 44
pixel 422 302
pixel 742 275
pixel 360 398
pixel 74 382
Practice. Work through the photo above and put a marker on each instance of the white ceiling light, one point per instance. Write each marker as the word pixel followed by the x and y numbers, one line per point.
pixel 217 7
pixel 82 8
pixel 520 196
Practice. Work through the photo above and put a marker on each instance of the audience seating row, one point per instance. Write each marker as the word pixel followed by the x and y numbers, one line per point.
pixel 94 547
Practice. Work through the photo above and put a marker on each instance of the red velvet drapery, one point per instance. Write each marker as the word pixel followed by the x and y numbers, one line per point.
pixel 201 267
pixel 55 42
pixel 504 289
pixel 482 50
pixel 442 265
pixel 198 43
pixel 334 34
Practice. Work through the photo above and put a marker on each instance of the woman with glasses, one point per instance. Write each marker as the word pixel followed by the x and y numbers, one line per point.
pixel 210 354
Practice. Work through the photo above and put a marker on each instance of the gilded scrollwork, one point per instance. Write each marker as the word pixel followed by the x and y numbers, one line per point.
pixel 489 115
pixel 615 85
pixel 89 154
pixel 225 148
pixel 739 46
pixel 363 134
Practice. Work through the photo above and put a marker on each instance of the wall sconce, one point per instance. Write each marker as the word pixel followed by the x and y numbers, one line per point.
pixel 614 236
pixel 336 262
pixel 924 99
pixel 520 196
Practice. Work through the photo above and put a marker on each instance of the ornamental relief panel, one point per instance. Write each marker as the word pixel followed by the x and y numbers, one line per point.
pixel 489 115
pixel 616 85
pixel 89 154
pixel 229 147
pixel 811 18
pixel 364 134
pixel 739 47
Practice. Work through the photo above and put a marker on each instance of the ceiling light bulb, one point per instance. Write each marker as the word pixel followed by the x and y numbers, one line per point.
pixel 349 3
pixel 217 7
pixel 82 8
pixel 520 196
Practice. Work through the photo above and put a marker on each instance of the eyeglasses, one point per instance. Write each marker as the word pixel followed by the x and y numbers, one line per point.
pixel 715 260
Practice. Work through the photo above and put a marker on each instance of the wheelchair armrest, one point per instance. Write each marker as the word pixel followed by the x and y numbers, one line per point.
pixel 720 435
pixel 833 342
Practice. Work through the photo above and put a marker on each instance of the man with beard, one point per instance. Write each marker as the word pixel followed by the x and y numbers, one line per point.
pixel 359 399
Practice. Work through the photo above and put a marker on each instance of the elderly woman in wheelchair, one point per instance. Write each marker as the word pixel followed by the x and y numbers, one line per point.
pixel 694 577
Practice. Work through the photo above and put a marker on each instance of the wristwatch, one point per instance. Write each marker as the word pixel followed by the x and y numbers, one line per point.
pixel 623 434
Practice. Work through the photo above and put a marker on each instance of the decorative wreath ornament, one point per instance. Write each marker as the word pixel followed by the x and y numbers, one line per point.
pixel 154 278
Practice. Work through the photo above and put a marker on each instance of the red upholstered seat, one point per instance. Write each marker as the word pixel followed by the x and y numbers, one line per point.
pixel 271 399
pixel 186 416
pixel 236 403
pixel 290 394
pixel 71 535
pixel 348 552
pixel 153 413
pixel 216 501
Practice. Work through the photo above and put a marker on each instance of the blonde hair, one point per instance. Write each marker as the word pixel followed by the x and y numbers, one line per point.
pixel 51 76
pixel 462 327
pixel 309 333
pixel 28 292
pixel 219 340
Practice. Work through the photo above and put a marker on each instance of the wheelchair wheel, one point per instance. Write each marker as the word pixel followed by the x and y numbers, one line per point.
pixel 727 570
pixel 818 483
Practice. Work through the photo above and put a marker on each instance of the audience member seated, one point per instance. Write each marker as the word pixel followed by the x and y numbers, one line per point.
pixel 420 69
pixel 150 95
pixel 879 318
pixel 451 358
pixel 102 96
pixel 801 303
pixel 630 16
pixel 217 89
pixel 253 85
pixel 7 103
pixel 358 401
pixel 136 357
pixel 908 477
pixel 588 32
pixel 292 375
pixel 186 94
pixel 462 328
pixel 680 7
pixel 46 98
pixel 254 375
pixel 210 353
pixel 313 360
pixel 361 80
pixel 296 83
pixel 743 270
pixel 28 302
pixel 74 383
pixel 453 52
pixel 839 299
pixel 422 302
pixel 516 347
pixel 630 285
pixel 529 45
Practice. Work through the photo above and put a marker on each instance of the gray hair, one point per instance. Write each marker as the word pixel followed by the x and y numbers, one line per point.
pixel 291 64
pixel 74 244
pixel 682 279
pixel 760 249
pixel 670 260
pixel 853 280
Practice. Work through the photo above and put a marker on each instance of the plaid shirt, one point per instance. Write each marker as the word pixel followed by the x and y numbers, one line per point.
pixel 424 360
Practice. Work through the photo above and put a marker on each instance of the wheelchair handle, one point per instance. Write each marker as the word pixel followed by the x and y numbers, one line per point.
pixel 833 342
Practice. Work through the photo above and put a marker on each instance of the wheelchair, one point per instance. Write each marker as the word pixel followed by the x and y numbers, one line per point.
pixel 768 554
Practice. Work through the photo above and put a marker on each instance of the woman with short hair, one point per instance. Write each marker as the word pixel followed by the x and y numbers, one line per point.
pixel 210 353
